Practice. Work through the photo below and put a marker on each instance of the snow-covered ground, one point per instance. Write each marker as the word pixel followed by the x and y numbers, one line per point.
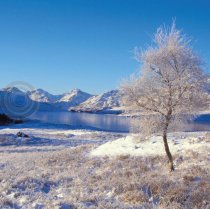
pixel 63 167
pixel 135 146
pixel 43 134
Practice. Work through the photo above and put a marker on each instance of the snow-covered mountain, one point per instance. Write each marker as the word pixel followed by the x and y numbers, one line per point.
pixel 75 97
pixel 12 90
pixel 103 102
pixel 62 101
pixel 41 95
pixel 12 98
pixel 71 99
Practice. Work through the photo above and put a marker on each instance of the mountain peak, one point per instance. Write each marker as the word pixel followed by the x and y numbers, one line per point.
pixel 76 90
pixel 12 90
pixel 40 90
pixel 41 95
pixel 107 100
pixel 75 97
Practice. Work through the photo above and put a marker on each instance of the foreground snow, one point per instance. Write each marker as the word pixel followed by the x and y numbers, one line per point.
pixel 42 134
pixel 131 145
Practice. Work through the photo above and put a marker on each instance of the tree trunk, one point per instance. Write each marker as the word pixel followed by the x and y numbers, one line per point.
pixel 168 150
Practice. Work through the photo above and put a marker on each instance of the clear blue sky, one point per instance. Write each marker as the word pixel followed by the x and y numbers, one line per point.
pixel 58 45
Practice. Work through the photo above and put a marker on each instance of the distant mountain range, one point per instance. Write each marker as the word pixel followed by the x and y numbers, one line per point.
pixel 75 100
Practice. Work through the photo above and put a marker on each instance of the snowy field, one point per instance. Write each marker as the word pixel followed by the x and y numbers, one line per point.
pixel 58 166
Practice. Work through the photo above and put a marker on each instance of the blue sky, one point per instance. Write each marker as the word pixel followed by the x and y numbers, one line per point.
pixel 59 45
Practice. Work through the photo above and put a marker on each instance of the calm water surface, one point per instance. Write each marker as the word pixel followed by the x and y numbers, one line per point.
pixel 89 120
pixel 104 121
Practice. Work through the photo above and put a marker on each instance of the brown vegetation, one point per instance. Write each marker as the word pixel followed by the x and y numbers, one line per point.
pixel 71 177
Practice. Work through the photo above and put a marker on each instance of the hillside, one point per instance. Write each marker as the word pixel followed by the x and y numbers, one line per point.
pixel 41 95
pixel 103 102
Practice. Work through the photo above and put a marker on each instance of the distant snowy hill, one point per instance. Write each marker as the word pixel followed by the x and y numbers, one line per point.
pixel 13 90
pixel 71 99
pixel 40 95
pixel 108 101
pixel 12 97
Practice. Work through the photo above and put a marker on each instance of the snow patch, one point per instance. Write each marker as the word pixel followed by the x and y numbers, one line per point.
pixel 130 145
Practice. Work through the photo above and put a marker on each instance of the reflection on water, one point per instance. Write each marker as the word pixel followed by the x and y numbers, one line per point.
pixel 105 122
pixel 99 121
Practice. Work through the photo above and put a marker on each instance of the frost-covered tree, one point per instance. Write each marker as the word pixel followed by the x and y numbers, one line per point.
pixel 170 86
